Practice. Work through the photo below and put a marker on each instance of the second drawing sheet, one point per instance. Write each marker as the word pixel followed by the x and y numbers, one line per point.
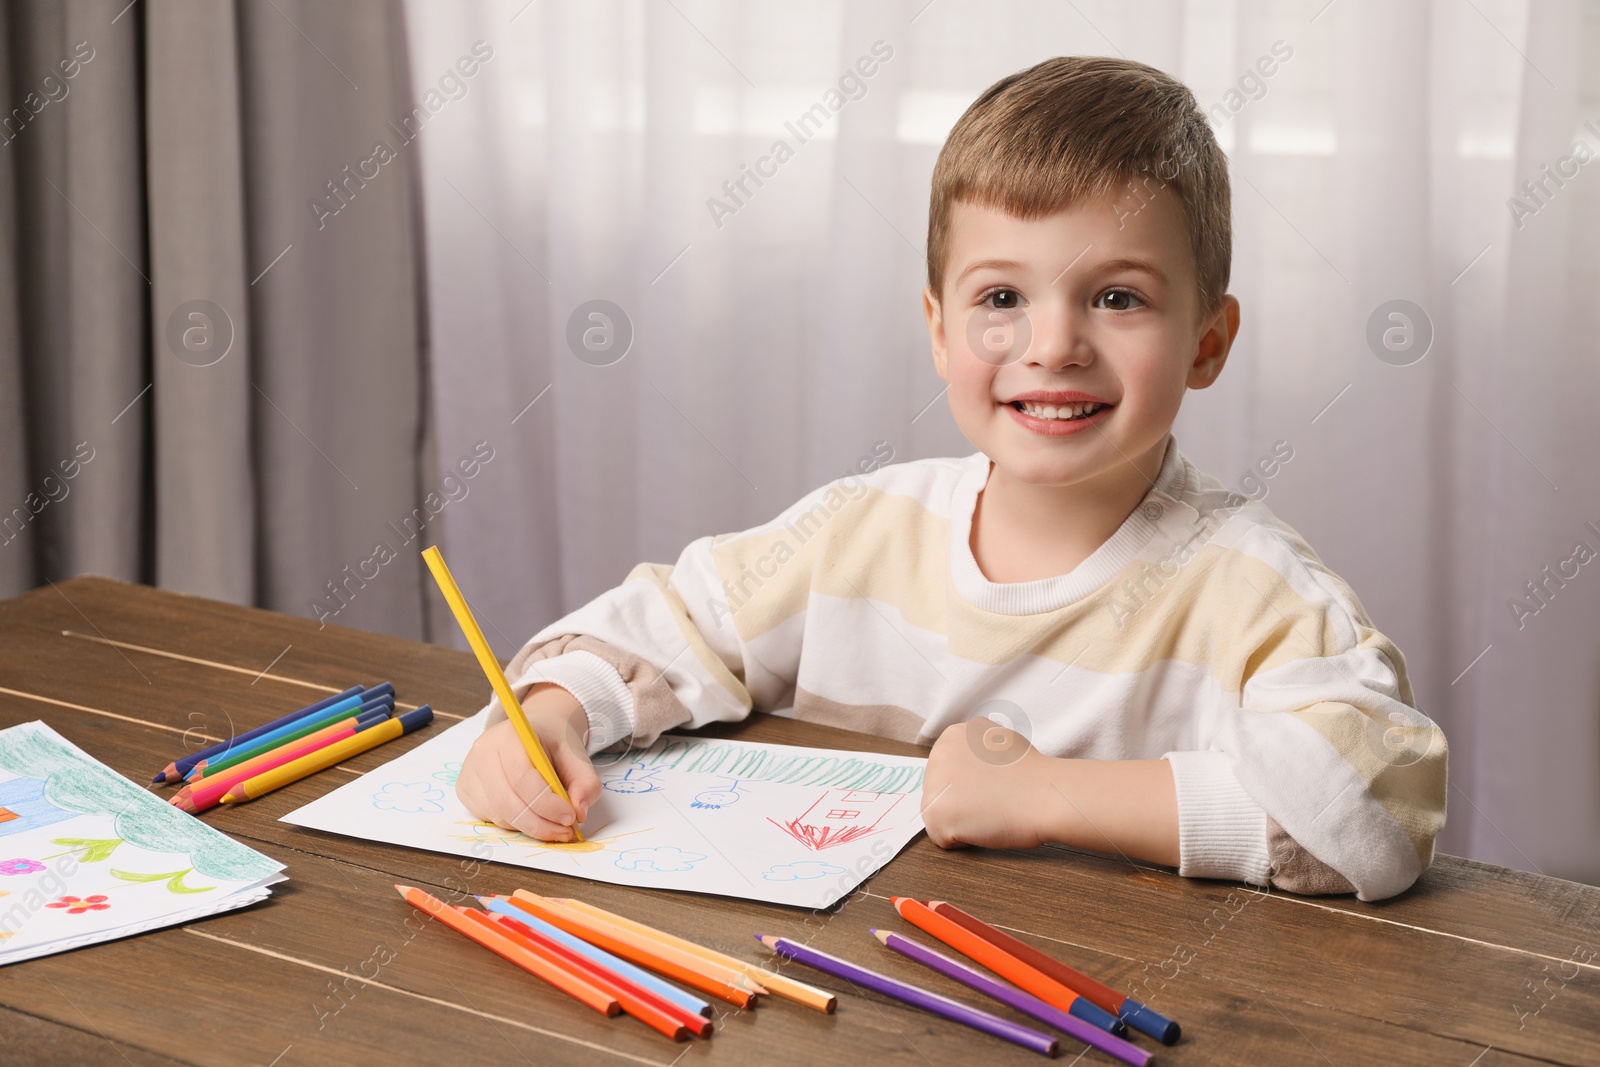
pixel 800 826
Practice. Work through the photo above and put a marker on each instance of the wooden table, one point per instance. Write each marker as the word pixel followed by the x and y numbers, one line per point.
pixel 1471 968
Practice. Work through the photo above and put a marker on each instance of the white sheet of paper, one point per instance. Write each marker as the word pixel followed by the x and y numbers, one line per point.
pixel 799 826
pixel 88 856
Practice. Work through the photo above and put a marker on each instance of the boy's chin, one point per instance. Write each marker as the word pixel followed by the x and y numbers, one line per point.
pixel 1047 472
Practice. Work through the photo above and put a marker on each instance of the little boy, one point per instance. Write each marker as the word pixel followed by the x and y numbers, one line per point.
pixel 1183 680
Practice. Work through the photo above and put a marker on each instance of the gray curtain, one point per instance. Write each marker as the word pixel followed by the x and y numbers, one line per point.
pixel 211 357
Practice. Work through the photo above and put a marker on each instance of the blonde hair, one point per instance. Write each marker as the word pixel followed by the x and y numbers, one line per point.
pixel 1073 129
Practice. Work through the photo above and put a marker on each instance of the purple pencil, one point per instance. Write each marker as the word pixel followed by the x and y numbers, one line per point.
pixel 917 997
pixel 1027 1003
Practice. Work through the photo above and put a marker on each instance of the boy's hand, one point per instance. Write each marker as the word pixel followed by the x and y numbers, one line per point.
pixel 499 784
pixel 982 787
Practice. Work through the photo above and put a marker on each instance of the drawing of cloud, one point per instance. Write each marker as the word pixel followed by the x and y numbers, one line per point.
pixel 664 859
pixel 410 798
pixel 800 870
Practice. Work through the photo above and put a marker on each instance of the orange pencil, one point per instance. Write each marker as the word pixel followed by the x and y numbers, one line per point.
pixel 501 944
pixel 651 941
pixel 777 984
pixel 660 1015
pixel 997 960
pixel 657 958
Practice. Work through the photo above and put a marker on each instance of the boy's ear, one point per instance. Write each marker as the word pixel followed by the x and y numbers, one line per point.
pixel 1215 341
pixel 934 313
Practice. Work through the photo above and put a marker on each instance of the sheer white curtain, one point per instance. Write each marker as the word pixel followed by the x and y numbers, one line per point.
pixel 777 336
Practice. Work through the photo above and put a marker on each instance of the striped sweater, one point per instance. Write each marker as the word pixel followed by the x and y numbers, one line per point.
pixel 1204 631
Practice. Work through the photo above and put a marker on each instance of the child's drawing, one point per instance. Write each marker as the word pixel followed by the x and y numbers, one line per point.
pixel 663 859
pixel 839 816
pixel 636 780
pixel 718 798
pixel 65 819
pixel 449 773
pixel 685 814
pixel 800 870
pixel 412 798
pixel 20 866
pixel 23 807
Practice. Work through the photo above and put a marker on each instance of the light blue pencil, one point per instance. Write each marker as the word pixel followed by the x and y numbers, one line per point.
pixel 605 959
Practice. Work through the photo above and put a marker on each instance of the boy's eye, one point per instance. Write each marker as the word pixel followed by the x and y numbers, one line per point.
pixel 1003 299
pixel 1122 298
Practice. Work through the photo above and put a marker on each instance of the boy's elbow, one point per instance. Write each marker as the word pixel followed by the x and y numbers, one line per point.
pixel 1367 869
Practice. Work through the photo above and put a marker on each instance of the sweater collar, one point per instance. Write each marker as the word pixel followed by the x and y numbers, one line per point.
pixel 1164 499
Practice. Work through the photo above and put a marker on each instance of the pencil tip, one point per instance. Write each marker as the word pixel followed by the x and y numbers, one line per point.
pixel 881 935
pixel 402 889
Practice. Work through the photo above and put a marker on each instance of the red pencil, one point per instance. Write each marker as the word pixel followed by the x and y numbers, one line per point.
pixel 647 1007
pixel 500 943
pixel 1124 1007
pixel 206 793
pixel 1006 965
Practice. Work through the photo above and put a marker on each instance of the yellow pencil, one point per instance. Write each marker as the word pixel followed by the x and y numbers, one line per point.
pixel 777 984
pixel 496 676
pixel 323 758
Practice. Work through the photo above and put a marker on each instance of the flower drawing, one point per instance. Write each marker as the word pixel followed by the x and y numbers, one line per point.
pixel 79 905
pixel 410 797
pixel 20 866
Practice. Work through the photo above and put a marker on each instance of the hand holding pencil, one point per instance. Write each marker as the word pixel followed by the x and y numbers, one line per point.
pixel 495 777
pixel 499 784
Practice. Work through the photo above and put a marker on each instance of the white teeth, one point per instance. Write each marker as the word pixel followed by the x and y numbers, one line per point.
pixel 1060 411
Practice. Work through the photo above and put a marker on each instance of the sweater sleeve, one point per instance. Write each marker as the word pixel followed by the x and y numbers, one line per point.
pixel 668 647
pixel 1324 778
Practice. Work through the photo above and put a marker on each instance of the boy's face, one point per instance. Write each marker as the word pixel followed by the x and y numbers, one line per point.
pixel 1092 312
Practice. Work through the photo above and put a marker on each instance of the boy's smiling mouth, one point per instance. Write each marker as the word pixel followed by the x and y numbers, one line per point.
pixel 1056 413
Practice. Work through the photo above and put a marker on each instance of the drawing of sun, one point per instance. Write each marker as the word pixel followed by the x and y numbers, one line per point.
pixel 498 837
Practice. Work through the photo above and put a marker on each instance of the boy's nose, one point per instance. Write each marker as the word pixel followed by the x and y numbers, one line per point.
pixel 1059 338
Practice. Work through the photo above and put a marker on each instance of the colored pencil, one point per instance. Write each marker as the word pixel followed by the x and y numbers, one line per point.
pixel 248 754
pixel 916 996
pixel 1026 1003
pixel 1006 965
pixel 502 945
pixel 199 778
pixel 1124 1007
pixel 779 985
pixel 208 793
pixel 323 758
pixel 288 732
pixel 655 1012
pixel 655 957
pixel 714 968
pixel 179 767
pixel 497 677
pixel 638 975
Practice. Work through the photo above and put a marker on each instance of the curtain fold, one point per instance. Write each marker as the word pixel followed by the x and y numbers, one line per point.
pixel 214 315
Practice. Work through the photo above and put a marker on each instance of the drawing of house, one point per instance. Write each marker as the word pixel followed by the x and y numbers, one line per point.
pixel 24 807
pixel 840 815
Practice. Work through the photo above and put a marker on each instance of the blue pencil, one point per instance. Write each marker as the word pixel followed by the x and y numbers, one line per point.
pixel 180 767
pixel 605 959
pixel 357 705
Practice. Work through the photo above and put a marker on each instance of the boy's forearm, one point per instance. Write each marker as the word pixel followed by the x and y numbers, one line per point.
pixel 1117 806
